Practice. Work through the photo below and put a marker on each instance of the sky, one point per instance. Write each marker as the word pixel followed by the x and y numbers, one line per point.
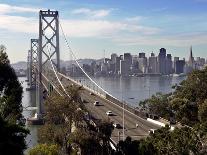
pixel 113 26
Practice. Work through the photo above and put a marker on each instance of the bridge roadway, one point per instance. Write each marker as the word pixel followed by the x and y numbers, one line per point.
pixel 99 112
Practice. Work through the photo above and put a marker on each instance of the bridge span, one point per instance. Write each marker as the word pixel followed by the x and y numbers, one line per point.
pixel 135 125
pixel 45 53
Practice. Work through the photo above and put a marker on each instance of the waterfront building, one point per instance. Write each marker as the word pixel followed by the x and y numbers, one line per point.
pixel 128 62
pixel 141 55
pixel 152 64
pixel 135 65
pixel 113 58
pixel 162 61
pixel 174 63
pixel 142 64
pixel 124 70
pixel 179 66
pixel 191 59
pixel 168 68
pixel 117 65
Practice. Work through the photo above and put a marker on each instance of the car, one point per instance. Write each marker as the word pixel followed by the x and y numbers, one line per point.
pixel 109 113
pixel 117 125
pixel 96 103
pixel 152 131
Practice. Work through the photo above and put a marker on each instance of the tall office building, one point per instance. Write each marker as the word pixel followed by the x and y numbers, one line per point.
pixel 128 62
pixel 179 66
pixel 141 55
pixel 191 58
pixel 135 64
pixel 123 68
pixel 169 64
pixel 143 64
pixel 175 59
pixel 113 58
pixel 117 65
pixel 162 61
pixel 152 64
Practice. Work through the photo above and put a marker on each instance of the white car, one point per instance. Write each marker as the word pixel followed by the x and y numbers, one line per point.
pixel 152 131
pixel 96 103
pixel 117 125
pixel 109 113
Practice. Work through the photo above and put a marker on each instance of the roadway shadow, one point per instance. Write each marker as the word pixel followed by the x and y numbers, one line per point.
pixel 112 115
pixel 100 105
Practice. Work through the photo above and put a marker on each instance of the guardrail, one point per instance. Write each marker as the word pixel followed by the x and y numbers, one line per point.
pixel 111 99
pixel 126 106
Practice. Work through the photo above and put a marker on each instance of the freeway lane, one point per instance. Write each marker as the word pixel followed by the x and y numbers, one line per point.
pixel 100 113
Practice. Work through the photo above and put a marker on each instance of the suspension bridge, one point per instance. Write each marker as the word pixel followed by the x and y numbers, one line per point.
pixel 44 75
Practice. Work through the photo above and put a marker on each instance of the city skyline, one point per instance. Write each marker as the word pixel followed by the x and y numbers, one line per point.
pixel 139 65
pixel 93 27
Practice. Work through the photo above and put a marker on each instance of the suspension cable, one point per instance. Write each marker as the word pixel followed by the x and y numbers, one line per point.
pixel 56 73
pixel 70 50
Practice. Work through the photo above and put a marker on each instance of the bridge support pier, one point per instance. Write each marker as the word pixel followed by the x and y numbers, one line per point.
pixel 47 49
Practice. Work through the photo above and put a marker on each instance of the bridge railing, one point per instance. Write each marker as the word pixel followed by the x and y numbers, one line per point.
pixel 126 106
pixel 108 97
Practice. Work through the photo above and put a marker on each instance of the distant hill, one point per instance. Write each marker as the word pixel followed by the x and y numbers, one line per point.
pixel 23 64
pixel 19 65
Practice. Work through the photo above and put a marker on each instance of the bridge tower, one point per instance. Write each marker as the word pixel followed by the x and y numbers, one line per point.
pixel 33 62
pixel 48 49
pixel 28 67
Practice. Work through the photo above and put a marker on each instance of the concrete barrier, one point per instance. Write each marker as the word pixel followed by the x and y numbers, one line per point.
pixel 127 107
pixel 156 122
pixel 160 123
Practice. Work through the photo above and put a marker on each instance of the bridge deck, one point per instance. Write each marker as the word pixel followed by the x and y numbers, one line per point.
pixel 100 113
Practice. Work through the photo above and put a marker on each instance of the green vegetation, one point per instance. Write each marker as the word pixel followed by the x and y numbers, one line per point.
pixel 188 104
pixel 12 131
pixel 44 149
pixel 67 127
pixel 182 141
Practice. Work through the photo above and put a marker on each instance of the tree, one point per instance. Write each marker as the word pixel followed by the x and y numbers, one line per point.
pixel 12 139
pixel 105 130
pixel 128 146
pixel 63 114
pixel 202 112
pixel 180 141
pixel 194 87
pixel 186 112
pixel 12 131
pixel 86 142
pixel 44 149
pixel 158 104
pixel 10 90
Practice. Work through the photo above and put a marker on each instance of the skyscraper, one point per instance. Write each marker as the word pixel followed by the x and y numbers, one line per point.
pixel 128 62
pixel 152 64
pixel 162 61
pixel 191 58
pixel 123 68
pixel 117 64
pixel 169 64
pixel 179 66
pixel 141 55
pixel 113 58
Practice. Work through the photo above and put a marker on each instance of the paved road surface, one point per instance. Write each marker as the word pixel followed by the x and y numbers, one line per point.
pixel 130 119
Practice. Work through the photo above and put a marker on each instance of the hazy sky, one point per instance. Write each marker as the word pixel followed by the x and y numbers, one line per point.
pixel 116 26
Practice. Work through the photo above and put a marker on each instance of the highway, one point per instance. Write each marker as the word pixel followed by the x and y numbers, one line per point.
pixel 99 112
pixel 130 119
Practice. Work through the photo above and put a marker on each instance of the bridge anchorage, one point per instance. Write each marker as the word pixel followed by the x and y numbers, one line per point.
pixel 38 58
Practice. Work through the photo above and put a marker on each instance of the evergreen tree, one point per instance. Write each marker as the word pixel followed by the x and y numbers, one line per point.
pixel 12 131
